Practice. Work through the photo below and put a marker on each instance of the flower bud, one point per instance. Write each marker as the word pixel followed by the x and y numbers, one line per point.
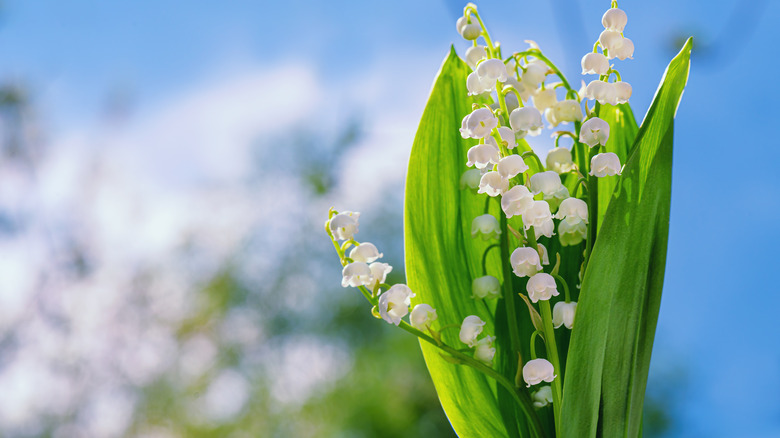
pixel 486 287
pixel 355 274
pixel 470 179
pixel 493 184
pixel 421 316
pixel 474 54
pixel 516 200
pixel 468 30
pixel 485 226
pixel 510 166
pixel 573 210
pixel 478 124
pixel 481 155
pixel 344 225
pixel 594 131
pixel 622 91
pixel 366 252
pixel 572 233
pixel 543 252
pixel 492 70
pixel 526 120
pixel 537 371
pixel 595 63
pixel 606 164
pixel 541 287
pixel 568 111
pixel 379 273
pixel 525 262
pixel 563 314
pixel 470 329
pixel 559 160
pixel 484 351
pixel 394 304
pixel 614 19
pixel 542 397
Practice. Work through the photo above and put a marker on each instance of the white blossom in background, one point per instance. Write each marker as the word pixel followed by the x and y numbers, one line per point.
pixel 622 91
pixel 421 316
pixel 468 27
pixel 563 314
pixel 541 287
pixel 537 371
pixel 507 135
pixel 485 287
pixel 595 63
pixel 366 252
pixel 470 179
pixel 538 215
pixel 511 166
pixel 478 124
pixel 379 273
pixel 474 54
pixel 534 73
pixel 594 131
pixel 542 397
pixel 516 200
pixel 614 19
pixel 525 262
pixel 543 251
pixel 544 99
pixel 526 120
pixel 484 350
pixel 485 226
pixel 572 233
pixel 559 160
pixel 492 70
pixel 567 111
pixel 471 328
pixel 344 225
pixel 481 155
pixel 394 304
pixel 355 274
pixel 573 210
pixel 493 184
pixel 606 164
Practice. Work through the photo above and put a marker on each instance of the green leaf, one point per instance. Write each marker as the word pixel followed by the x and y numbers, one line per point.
pixel 623 129
pixel 609 355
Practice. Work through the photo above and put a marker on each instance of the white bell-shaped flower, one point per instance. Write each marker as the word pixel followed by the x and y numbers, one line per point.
pixel 366 252
pixel 616 45
pixel 485 287
pixel 542 397
pixel 572 233
pixel 470 329
pixel 594 132
pixel 541 287
pixel 551 117
pixel 559 160
pixel 474 54
pixel 525 262
pixel 511 166
pixel 535 73
pixel 492 70
pixel 603 92
pixel 595 63
pixel 606 164
pixel 507 136
pixel 485 226
pixel 344 225
pixel 478 124
pixel 379 273
pixel 484 350
pixel 476 86
pixel 538 370
pixel 394 304
pixel 568 111
pixel 563 314
pixel 622 91
pixel 355 274
pixel 516 200
pixel 547 182
pixel 421 316
pixel 544 99
pixel 614 19
pixel 538 216
pixel 493 184
pixel 470 179
pixel 573 210
pixel 468 27
pixel 526 120
pixel 481 155
pixel 543 252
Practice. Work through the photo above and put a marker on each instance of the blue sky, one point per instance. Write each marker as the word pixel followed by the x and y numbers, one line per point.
pixel 718 311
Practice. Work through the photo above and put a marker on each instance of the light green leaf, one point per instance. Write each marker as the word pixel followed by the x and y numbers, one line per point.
pixel 609 355
pixel 623 129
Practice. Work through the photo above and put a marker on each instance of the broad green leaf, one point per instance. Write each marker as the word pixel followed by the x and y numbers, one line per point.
pixel 442 260
pixel 623 129
pixel 609 354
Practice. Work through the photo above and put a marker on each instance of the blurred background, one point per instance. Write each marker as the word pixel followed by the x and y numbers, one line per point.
pixel 166 169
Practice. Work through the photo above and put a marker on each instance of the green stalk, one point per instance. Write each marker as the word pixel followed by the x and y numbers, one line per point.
pixel 552 352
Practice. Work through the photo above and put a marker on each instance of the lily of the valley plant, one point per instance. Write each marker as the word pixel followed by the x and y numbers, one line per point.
pixel 533 285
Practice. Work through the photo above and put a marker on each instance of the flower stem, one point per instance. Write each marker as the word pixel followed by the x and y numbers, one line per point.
pixel 552 353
